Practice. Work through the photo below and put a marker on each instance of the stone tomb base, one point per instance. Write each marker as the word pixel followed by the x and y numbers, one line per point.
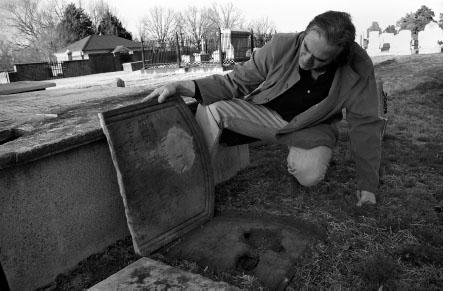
pixel 264 246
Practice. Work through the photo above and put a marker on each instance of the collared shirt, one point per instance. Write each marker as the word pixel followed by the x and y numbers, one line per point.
pixel 302 95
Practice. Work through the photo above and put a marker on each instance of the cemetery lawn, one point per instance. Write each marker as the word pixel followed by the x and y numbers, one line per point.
pixel 397 244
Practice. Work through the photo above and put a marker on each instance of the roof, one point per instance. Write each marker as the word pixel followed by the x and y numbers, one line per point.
pixel 121 49
pixel 99 42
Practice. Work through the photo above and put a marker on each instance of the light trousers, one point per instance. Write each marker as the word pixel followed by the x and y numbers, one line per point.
pixel 308 166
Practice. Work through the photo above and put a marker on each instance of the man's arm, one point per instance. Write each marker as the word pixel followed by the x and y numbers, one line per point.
pixel 365 128
pixel 240 82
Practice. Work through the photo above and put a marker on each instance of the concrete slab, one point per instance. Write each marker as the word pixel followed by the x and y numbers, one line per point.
pixel 24 86
pixel 148 274
pixel 264 246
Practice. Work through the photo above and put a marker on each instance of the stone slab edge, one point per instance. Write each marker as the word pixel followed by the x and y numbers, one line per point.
pixel 24 86
pixel 148 274
pixel 27 154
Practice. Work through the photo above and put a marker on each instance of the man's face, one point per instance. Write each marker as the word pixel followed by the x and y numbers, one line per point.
pixel 316 53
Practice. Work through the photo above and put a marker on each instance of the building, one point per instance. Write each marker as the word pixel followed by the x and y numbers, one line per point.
pixel 106 53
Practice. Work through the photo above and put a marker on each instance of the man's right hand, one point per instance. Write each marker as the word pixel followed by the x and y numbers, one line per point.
pixel 162 93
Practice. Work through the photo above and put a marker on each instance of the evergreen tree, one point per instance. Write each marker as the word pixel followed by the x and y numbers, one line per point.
pixel 110 24
pixel 416 22
pixel 75 25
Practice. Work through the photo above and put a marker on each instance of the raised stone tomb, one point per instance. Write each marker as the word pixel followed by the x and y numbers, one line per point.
pixel 59 197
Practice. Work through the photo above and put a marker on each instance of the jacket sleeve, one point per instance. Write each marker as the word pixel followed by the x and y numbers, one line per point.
pixel 365 129
pixel 241 81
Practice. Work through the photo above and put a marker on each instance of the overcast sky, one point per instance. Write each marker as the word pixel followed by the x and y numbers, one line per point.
pixel 289 15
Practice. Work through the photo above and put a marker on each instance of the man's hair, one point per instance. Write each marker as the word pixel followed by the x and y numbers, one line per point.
pixel 338 30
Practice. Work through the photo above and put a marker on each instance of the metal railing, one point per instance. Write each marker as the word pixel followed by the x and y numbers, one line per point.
pixel 235 46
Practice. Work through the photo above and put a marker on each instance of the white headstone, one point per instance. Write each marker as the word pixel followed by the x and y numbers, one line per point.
pixel 373 47
pixel 386 38
pixel 428 39
pixel 401 43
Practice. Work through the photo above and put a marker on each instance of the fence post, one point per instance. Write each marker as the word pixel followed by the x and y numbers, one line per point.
pixel 220 56
pixel 252 42
pixel 178 49
pixel 143 54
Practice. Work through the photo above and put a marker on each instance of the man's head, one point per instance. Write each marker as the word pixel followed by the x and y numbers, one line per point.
pixel 328 39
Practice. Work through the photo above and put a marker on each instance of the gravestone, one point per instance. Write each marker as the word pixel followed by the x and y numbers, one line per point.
pixel 386 42
pixel 119 82
pixel 188 59
pixel 428 39
pixel 401 43
pixel 163 170
pixel 373 47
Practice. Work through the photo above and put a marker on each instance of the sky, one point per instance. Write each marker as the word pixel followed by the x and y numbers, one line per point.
pixel 288 16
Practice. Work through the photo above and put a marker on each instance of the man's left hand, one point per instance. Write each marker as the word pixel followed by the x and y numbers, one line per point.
pixel 365 197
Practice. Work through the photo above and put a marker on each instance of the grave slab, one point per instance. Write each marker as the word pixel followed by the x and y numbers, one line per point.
pixel 163 170
pixel 24 86
pixel 264 246
pixel 148 274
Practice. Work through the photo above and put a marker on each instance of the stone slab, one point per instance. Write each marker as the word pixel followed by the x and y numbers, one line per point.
pixel 228 161
pixel 24 86
pixel 264 246
pixel 148 274
pixel 163 169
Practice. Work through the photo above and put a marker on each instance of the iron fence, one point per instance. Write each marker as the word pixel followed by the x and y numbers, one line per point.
pixel 235 46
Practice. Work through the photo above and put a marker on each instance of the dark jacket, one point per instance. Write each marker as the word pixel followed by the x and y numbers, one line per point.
pixel 274 68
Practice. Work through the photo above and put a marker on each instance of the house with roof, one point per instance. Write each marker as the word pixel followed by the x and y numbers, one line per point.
pixel 106 53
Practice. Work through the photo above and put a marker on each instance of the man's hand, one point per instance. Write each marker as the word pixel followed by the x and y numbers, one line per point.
pixel 162 93
pixel 365 197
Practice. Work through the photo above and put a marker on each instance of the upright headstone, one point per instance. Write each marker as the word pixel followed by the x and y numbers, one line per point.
pixel 386 41
pixel 373 47
pixel 163 170
pixel 401 44
pixel 429 39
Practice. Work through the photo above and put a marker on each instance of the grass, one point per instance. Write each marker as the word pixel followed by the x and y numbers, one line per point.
pixel 396 244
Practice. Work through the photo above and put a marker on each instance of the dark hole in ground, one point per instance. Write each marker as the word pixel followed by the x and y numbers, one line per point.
pixel 263 239
pixel 247 262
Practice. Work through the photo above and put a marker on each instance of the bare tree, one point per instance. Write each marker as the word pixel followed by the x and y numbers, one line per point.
pixel 33 25
pixel 96 10
pixel 140 27
pixel 196 23
pixel 160 23
pixel 226 15
pixel 6 55
pixel 262 26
